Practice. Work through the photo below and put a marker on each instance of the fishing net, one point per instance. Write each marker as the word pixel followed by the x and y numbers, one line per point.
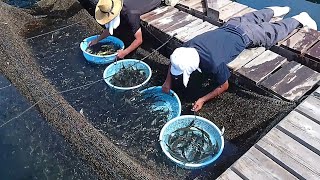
pixel 115 134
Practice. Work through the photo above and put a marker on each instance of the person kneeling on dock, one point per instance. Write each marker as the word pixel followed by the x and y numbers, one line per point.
pixel 109 13
pixel 210 52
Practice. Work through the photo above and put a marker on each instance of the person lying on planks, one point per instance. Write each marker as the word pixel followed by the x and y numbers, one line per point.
pixel 109 13
pixel 210 52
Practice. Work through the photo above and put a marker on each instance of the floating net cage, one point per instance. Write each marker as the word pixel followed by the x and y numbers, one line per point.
pixel 113 132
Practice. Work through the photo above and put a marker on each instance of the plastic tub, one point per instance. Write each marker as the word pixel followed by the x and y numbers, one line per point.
pixel 169 101
pixel 183 121
pixel 116 66
pixel 96 58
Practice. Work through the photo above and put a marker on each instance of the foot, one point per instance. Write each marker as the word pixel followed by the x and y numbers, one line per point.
pixel 306 20
pixel 278 11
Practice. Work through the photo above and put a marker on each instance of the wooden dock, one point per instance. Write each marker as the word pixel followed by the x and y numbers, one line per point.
pixel 291 150
pixel 265 69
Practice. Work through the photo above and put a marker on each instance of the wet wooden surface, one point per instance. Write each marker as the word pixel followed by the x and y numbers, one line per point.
pixel 262 66
pixel 292 81
pixel 291 150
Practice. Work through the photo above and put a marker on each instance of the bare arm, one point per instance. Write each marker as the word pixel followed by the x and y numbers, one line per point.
pixel 216 92
pixel 167 83
pixel 134 45
pixel 105 33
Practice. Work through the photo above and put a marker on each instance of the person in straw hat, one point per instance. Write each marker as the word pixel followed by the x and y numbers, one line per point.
pixel 110 12
pixel 210 52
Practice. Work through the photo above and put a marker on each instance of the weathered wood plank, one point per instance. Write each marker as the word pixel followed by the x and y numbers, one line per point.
pixel 241 13
pixel 255 165
pixel 229 175
pixel 201 31
pixel 158 11
pixel 303 128
pixel 311 107
pixel 246 56
pixel 292 81
pixel 262 66
pixel 199 7
pixel 230 10
pixel 172 31
pixel 165 19
pixel 315 51
pixel 170 20
pixel 161 15
pixel 189 3
pixel 192 30
pixel 302 40
pixel 181 23
pixel 204 27
pixel 295 156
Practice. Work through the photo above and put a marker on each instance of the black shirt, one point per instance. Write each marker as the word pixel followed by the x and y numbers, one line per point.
pixel 133 9
pixel 216 49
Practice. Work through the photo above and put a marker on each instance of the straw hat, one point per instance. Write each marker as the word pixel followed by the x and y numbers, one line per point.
pixel 106 10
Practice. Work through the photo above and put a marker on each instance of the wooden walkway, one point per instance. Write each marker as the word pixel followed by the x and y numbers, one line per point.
pixel 291 150
pixel 270 71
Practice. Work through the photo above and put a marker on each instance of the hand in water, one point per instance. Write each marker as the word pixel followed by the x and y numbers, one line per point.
pixel 166 87
pixel 91 43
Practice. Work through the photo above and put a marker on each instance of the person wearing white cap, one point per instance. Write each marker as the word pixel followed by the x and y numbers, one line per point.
pixel 109 13
pixel 210 52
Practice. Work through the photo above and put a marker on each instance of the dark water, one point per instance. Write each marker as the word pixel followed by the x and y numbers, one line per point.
pixel 312 7
pixel 29 147
pixel 21 3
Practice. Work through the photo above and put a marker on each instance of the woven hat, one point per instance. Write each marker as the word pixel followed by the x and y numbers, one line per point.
pixel 106 10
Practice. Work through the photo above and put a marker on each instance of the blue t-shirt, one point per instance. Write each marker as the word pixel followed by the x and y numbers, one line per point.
pixel 216 49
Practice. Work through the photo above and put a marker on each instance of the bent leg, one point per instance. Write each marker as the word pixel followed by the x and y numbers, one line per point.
pixel 268 34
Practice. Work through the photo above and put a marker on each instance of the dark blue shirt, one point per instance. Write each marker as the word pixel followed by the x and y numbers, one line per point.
pixel 216 49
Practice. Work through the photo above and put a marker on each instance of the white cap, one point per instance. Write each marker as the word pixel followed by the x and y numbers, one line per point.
pixel 184 60
pixel 113 24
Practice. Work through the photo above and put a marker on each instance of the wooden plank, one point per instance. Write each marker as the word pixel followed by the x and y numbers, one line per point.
pixel 255 165
pixel 158 11
pixel 189 3
pixel 230 10
pixel 292 81
pixel 292 155
pixel 199 7
pixel 170 20
pixel 161 15
pixel 223 3
pixel 184 28
pixel 302 40
pixel 192 30
pixel 229 175
pixel 165 19
pixel 303 128
pixel 183 22
pixel 262 66
pixel 311 107
pixel 241 13
pixel 204 27
pixel 315 51
pixel 244 57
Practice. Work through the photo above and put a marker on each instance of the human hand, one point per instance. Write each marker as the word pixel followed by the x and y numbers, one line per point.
pixel 197 105
pixel 121 53
pixel 166 87
pixel 93 42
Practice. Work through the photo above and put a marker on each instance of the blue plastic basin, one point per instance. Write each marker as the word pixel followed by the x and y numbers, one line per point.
pixel 168 101
pixel 183 121
pixel 116 66
pixel 96 58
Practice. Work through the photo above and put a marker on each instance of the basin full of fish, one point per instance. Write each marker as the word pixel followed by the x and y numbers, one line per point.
pixel 103 49
pixel 191 144
pixel 128 77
